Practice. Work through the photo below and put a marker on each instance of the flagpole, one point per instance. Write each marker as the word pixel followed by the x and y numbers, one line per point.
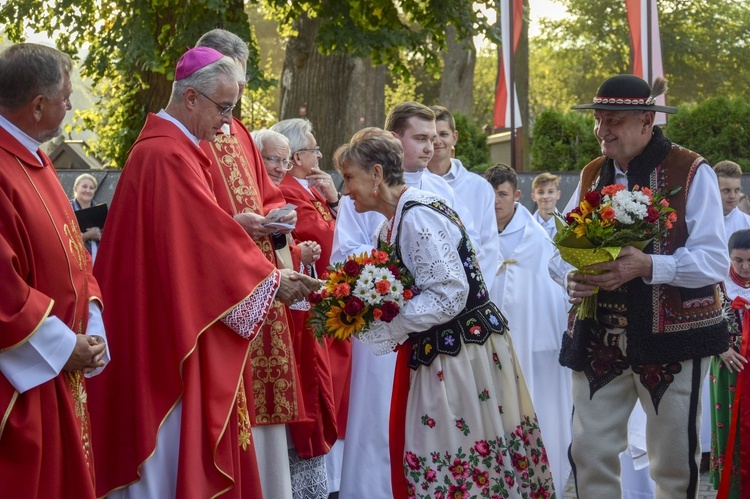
pixel 649 42
pixel 512 89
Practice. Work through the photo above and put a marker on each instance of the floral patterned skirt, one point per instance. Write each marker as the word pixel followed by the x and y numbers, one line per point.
pixel 471 430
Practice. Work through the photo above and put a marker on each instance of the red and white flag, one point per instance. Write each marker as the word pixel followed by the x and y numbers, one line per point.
pixel 502 94
pixel 647 61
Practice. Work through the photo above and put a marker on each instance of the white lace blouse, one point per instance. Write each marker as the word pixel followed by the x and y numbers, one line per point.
pixel 429 249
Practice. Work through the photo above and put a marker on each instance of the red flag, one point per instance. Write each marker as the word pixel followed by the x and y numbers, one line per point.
pixel 502 94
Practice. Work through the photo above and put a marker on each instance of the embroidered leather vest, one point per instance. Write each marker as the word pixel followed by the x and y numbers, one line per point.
pixel 475 323
pixel 663 323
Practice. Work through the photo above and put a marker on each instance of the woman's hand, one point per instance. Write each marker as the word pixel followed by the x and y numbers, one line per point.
pixel 92 234
pixel 733 360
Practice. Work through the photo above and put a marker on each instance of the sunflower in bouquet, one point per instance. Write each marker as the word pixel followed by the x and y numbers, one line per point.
pixel 604 222
pixel 364 289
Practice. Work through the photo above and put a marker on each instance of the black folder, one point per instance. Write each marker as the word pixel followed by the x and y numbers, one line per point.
pixel 92 217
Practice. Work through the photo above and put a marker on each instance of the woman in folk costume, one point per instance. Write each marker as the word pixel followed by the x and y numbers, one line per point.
pixel 458 388
pixel 730 385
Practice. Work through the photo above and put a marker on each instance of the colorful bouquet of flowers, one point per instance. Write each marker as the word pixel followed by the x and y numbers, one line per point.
pixel 604 222
pixel 364 289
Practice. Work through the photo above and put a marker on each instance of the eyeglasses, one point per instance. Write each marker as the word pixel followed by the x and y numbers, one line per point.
pixel 314 150
pixel 285 163
pixel 223 110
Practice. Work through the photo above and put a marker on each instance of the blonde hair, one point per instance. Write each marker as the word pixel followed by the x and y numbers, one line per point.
pixel 545 178
pixel 81 178
pixel 728 169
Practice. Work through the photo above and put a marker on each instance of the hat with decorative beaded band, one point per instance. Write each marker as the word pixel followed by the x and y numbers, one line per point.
pixel 195 59
pixel 629 93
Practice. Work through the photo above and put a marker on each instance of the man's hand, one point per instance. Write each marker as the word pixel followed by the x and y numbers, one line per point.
pixel 253 224
pixel 324 183
pixel 87 354
pixel 290 218
pixel 291 287
pixel 629 264
pixel 309 251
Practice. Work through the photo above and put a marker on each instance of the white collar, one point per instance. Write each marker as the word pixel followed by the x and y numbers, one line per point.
pixel 165 115
pixel 28 142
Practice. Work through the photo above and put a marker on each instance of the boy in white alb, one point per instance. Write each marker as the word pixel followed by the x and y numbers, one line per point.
pixel 545 192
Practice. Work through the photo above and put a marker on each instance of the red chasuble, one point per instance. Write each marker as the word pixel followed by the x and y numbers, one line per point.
pixel 171 264
pixel 282 356
pixel 45 448
pixel 315 222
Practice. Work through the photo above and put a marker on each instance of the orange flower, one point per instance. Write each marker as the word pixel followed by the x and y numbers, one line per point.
pixel 668 224
pixel 608 213
pixel 672 217
pixel 377 313
pixel 408 295
pixel 380 256
pixel 324 293
pixel 382 287
pixel 367 261
pixel 648 192
pixel 612 189
pixel 342 290
pixel 664 203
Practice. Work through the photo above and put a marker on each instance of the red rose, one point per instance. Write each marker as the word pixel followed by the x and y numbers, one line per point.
pixel 314 297
pixel 394 270
pixel 569 218
pixel 390 310
pixel 652 216
pixel 594 198
pixel 353 306
pixel 351 268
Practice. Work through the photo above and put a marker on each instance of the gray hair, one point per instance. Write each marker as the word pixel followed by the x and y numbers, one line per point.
pixel 30 69
pixel 206 79
pixel 266 137
pixel 294 129
pixel 227 43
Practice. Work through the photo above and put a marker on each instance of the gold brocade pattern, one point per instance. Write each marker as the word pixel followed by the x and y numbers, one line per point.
pixel 238 175
pixel 75 244
pixel 77 388
pixel 271 354
pixel 274 375
pixel 323 210
pixel 243 418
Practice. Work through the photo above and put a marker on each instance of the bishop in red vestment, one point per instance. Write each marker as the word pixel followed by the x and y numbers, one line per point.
pixel 188 288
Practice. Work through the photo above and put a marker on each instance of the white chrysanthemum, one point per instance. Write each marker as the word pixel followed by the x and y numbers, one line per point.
pixel 369 269
pixel 397 292
pixel 629 206
pixel 365 279
pixel 363 291
pixel 382 274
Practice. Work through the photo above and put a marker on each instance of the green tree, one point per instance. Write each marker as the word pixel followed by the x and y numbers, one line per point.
pixel 563 141
pixel 704 49
pixel 471 146
pixel 133 47
pixel 717 129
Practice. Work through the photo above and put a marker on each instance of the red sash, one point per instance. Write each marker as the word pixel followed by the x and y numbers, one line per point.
pixel 397 427
pixel 738 423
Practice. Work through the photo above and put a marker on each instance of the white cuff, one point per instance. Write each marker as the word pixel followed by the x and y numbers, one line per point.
pixel 662 269
pixel 96 328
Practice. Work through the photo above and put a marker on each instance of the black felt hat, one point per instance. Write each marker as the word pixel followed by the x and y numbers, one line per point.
pixel 629 93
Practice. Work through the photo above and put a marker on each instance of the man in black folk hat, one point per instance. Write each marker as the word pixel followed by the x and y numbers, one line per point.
pixel 659 318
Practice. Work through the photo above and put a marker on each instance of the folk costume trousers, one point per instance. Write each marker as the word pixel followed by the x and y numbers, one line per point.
pixel 600 432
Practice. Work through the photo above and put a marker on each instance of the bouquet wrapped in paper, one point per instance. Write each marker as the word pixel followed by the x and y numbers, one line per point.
pixel 364 289
pixel 604 222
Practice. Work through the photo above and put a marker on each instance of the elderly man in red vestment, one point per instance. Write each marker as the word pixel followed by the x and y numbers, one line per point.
pixel 189 288
pixel 284 377
pixel 50 317
pixel 314 193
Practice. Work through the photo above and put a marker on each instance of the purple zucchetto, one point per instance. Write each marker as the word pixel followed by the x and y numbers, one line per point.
pixel 195 59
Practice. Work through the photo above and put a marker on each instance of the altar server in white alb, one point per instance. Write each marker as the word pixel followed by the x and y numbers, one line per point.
pixel 470 188
pixel 536 313
pixel 366 445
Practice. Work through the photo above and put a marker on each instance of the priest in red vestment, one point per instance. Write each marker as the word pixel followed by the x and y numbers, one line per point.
pixel 314 193
pixel 188 289
pixel 51 332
